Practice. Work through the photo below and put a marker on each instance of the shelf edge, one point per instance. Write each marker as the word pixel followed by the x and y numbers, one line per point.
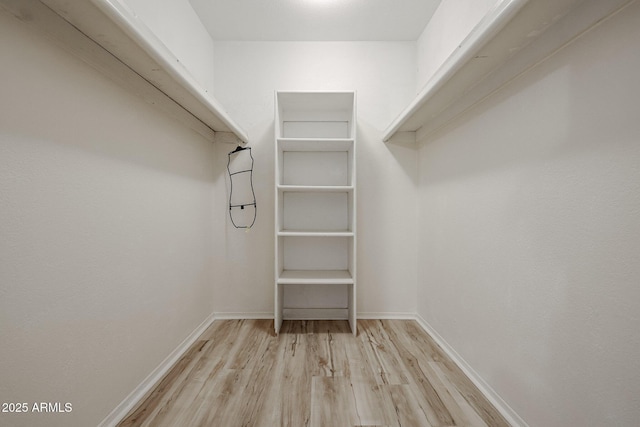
pixel 147 40
pixel 523 39
pixel 117 30
pixel 316 188
pixel 315 282
pixel 284 233
pixel 488 27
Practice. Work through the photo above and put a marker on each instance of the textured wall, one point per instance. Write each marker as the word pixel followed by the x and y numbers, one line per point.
pixel 105 233
pixel 529 236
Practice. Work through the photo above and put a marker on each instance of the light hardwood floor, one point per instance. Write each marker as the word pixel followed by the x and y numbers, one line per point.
pixel 316 374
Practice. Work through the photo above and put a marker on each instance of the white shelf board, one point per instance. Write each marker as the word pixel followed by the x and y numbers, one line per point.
pixel 315 277
pixel 514 36
pixel 315 233
pixel 117 30
pixel 316 188
pixel 315 144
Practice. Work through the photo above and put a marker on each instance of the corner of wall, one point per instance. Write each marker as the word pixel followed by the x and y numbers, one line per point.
pixel 494 398
pixel 135 397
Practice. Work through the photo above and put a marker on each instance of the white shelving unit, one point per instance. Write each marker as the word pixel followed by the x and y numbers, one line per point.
pixel 315 209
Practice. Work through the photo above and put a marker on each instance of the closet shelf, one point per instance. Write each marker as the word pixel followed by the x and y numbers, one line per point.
pixel 118 30
pixel 316 188
pixel 487 59
pixel 315 206
pixel 315 233
pixel 315 277
pixel 315 144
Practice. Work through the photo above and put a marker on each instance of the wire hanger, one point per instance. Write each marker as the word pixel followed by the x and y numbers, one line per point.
pixel 246 203
pixel 239 148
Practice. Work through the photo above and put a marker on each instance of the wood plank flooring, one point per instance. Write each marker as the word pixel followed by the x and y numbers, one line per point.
pixel 315 374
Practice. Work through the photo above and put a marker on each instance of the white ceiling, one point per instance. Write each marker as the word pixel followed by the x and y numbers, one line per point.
pixel 315 20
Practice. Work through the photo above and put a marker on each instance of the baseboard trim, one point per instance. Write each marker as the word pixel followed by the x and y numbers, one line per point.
pixel 239 315
pixel 315 314
pixel 386 316
pixel 233 315
pixel 505 410
pixel 120 411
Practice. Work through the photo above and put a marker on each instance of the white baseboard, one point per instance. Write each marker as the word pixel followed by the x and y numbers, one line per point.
pixel 386 316
pixel 233 315
pixel 315 313
pixel 269 315
pixel 154 377
pixel 505 410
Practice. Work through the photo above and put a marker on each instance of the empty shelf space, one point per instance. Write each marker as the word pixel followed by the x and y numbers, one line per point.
pixel 315 277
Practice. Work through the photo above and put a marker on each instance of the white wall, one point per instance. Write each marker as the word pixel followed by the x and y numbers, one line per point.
pixel 105 233
pixel 177 25
pixel 529 237
pixel 449 26
pixel 247 74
